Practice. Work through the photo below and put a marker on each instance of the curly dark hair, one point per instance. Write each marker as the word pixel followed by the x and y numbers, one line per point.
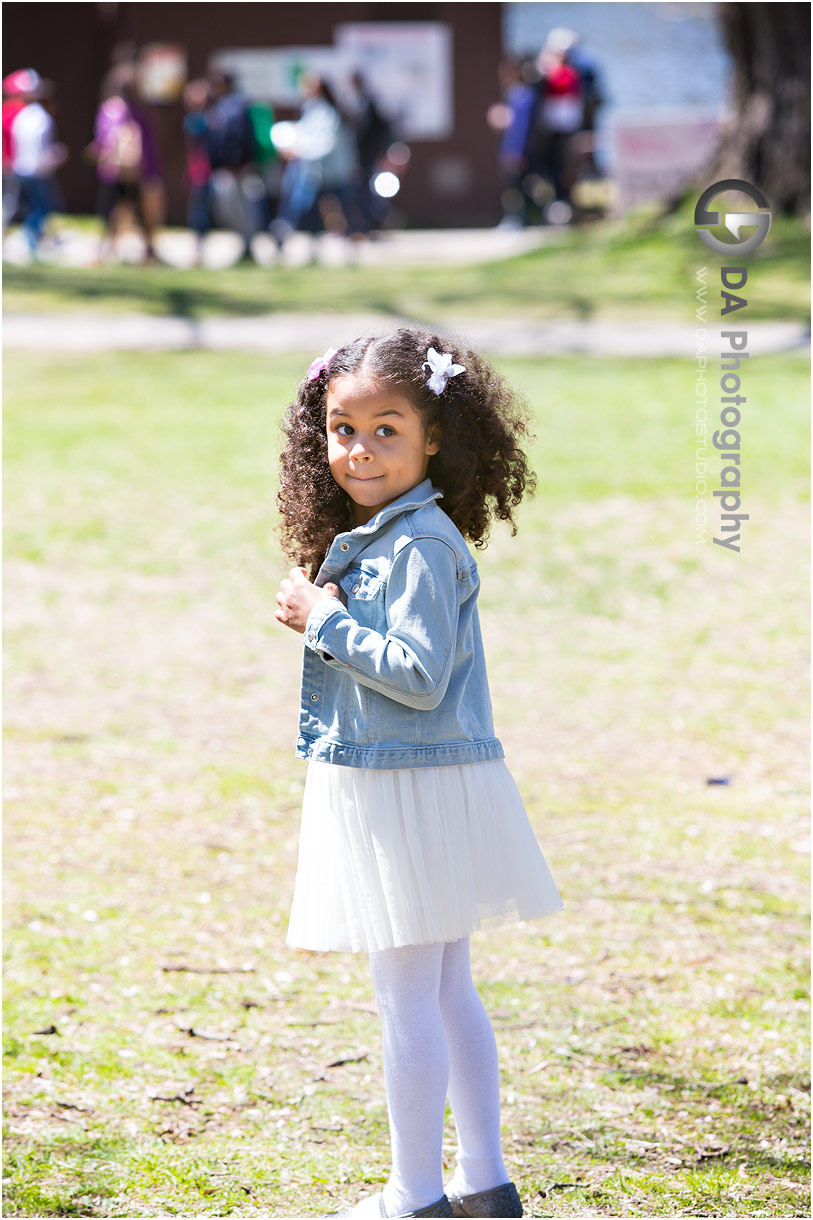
pixel 480 467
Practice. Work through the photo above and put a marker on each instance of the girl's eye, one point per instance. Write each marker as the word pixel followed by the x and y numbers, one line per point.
pixel 386 429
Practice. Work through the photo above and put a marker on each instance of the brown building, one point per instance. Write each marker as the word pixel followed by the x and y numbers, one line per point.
pixel 451 179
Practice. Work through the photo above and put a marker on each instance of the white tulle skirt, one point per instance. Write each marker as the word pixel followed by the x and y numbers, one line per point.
pixel 405 857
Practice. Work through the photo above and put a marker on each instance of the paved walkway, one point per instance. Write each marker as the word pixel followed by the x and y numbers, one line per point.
pixel 396 248
pixel 309 333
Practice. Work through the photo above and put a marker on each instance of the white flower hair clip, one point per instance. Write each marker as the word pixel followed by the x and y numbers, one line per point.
pixel 442 368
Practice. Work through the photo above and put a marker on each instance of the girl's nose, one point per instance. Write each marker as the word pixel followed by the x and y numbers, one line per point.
pixel 359 451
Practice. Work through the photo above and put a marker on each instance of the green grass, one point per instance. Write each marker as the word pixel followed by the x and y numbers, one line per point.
pixel 101 449
pixel 635 269
pixel 653 1036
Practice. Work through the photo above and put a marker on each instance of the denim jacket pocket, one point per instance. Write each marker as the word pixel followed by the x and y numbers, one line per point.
pixel 361 584
pixel 364 594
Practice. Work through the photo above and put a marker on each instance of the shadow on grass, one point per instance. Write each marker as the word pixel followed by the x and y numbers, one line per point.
pixel 153 289
pixel 652 1078
pixel 249 292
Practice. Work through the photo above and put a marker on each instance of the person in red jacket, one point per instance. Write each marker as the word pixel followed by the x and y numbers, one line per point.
pixel 559 114
pixel 35 156
pixel 15 85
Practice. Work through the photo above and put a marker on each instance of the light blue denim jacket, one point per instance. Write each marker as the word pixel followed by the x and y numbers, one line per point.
pixel 393 673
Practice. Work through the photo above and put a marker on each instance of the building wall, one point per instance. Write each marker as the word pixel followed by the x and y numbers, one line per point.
pixel 449 182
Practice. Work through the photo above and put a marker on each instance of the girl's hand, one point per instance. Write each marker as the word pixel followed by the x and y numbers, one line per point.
pixel 297 597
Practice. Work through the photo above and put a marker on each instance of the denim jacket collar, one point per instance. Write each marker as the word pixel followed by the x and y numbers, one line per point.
pixel 347 545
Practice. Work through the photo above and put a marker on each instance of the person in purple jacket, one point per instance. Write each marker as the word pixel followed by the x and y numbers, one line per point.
pixel 127 165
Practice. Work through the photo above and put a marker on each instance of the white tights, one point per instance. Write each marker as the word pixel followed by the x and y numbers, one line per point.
pixel 436 1035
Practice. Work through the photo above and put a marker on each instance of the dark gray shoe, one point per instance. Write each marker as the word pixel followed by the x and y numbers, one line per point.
pixel 442 1208
pixel 501 1201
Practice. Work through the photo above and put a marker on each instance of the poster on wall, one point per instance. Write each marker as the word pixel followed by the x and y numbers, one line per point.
pixel 407 67
pixel 162 72
pixel 272 74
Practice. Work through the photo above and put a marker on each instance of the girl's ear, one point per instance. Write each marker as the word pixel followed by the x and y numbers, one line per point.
pixel 433 440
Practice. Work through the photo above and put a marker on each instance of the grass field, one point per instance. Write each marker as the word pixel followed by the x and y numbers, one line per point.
pixel 626 269
pixel 165 1053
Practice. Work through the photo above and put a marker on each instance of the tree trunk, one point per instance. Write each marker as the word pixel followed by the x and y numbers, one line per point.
pixel 767 138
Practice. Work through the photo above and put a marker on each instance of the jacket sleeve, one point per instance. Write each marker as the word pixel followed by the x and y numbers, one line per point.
pixel 413 662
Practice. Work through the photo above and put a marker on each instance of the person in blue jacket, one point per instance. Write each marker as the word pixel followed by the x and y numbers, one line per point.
pixel 399 448
pixel 516 116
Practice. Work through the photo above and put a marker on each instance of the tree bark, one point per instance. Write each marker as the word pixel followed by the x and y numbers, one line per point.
pixel 766 140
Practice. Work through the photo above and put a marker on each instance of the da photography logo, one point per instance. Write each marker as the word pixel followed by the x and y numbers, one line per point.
pixel 734 222
pixel 734 354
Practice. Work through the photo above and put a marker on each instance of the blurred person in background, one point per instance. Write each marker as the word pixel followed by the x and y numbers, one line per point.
pixel 231 144
pixel 374 135
pixel 322 165
pixel 125 153
pixel 592 100
pixel 14 86
pixel 267 161
pixel 513 117
pixel 559 116
pixel 198 165
pixel 35 155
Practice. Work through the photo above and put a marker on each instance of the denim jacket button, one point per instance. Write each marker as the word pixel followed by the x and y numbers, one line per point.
pixel 345 546
pixel 314 698
pixel 356 587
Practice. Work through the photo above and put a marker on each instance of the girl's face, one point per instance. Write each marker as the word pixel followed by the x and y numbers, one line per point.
pixel 376 445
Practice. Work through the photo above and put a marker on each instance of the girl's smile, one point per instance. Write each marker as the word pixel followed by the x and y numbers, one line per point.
pixel 377 447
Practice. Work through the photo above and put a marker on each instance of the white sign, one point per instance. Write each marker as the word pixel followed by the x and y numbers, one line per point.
pixel 656 155
pixel 162 71
pixel 407 67
pixel 272 74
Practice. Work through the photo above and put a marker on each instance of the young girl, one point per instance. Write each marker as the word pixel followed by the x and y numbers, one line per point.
pixel 399 447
